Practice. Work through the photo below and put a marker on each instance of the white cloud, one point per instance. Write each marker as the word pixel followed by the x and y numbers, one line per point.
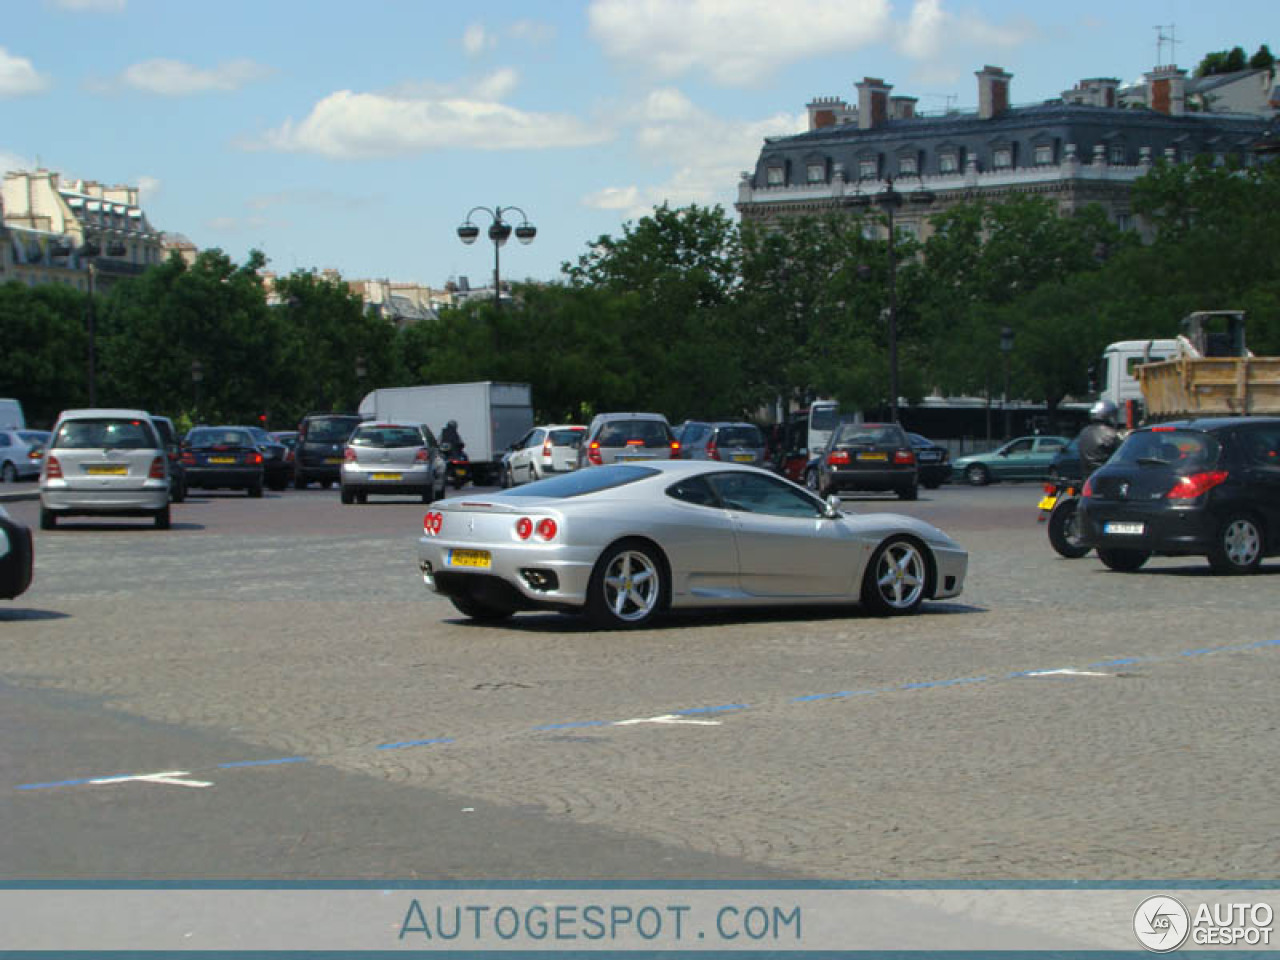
pixel 477 40
pixel 12 161
pixel 737 43
pixel 89 6
pixel 347 125
pixel 173 78
pixel 18 77
pixel 148 189
pixel 713 151
pixel 945 44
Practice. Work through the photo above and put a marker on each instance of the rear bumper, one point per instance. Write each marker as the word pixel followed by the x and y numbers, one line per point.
pixel 876 478
pixel 139 501
pixel 571 567
pixel 1176 531
pixel 224 476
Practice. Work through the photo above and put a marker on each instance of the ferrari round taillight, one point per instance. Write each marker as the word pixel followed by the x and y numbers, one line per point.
pixel 524 528
pixel 432 523
pixel 547 529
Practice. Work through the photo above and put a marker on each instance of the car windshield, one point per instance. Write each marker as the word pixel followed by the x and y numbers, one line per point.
pixel 387 437
pixel 1180 449
pixel 648 433
pixel 824 418
pixel 260 435
pixel 330 429
pixel 861 433
pixel 567 438
pixel 581 481
pixel 107 432
pixel 33 436
pixel 743 435
pixel 219 437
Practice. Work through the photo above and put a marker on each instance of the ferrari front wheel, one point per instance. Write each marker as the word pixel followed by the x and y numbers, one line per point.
pixel 896 579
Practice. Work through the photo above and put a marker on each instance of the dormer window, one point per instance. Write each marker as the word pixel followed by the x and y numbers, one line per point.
pixel 816 173
pixel 1118 157
pixel 776 176
pixel 949 161
pixel 1044 154
pixel 908 166
pixel 868 168
pixel 1002 158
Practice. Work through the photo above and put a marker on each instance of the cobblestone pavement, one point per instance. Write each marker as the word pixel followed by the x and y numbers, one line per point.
pixel 815 744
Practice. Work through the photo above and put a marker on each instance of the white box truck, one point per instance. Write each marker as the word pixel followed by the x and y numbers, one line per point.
pixel 491 416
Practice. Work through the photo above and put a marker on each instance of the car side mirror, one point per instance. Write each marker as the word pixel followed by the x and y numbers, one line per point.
pixel 833 507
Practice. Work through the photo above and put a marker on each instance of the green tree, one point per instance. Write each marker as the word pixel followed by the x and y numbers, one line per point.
pixel 45 346
pixel 1263 59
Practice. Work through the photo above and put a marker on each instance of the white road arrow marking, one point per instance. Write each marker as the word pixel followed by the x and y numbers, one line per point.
pixel 1067 673
pixel 669 718
pixel 171 777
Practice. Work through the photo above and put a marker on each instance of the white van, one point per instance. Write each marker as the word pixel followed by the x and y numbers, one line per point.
pixel 11 417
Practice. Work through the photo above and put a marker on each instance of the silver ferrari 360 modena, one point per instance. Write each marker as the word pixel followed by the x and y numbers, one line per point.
pixel 623 543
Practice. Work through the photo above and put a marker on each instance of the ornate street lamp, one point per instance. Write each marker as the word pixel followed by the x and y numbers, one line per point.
pixel 499 232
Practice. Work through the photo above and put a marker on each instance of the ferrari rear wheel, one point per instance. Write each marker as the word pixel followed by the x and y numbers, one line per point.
pixel 896 579
pixel 628 586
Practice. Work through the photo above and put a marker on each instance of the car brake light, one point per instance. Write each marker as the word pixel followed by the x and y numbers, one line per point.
pixel 546 447
pixel 1088 488
pixel 1196 485
pixel 524 528
pixel 422 456
pixel 837 457
pixel 35 454
pixel 349 455
pixel 675 450
pixel 1050 488
pixel 157 469
pixel 904 457
pixel 254 459
pixel 593 453
pixel 1163 429
pixel 713 451
pixel 188 458
pixel 53 469
pixel 547 529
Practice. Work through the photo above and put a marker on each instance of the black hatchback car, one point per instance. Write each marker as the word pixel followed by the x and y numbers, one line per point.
pixel 322 438
pixel 1206 488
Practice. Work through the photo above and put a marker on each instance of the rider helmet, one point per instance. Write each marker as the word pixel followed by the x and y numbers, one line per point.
pixel 1103 410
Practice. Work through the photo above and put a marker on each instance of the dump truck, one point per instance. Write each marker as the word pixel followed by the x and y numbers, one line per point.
pixel 1212 374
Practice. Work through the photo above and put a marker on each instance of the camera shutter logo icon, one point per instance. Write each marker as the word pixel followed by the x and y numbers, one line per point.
pixel 1161 924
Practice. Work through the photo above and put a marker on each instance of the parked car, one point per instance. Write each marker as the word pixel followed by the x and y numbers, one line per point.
pixel 625 437
pixel 625 542
pixel 1026 458
pixel 541 452
pixel 277 466
pixel 21 454
pixel 732 442
pixel 933 460
pixel 1206 488
pixel 1065 464
pixel 105 462
pixel 392 458
pixel 17 557
pixel 224 458
pixel 173 450
pixel 318 455
pixel 866 456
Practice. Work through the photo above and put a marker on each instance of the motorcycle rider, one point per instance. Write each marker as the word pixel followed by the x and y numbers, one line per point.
pixel 450 437
pixel 1100 439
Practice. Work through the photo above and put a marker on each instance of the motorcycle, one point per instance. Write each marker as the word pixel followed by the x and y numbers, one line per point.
pixel 459 469
pixel 1059 507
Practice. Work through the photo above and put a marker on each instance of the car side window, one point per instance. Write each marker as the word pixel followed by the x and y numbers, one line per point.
pixel 1018 447
pixel 752 493
pixel 1261 447
pixel 5 441
pixel 693 490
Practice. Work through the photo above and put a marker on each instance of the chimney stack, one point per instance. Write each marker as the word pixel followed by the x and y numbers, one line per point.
pixel 827 112
pixel 902 108
pixel 873 102
pixel 993 92
pixel 1167 90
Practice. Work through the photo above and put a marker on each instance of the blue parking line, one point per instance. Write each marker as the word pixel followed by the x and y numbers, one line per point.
pixel 929 684
pixel 724 709
pixel 573 725
pixel 415 743
pixel 58 783
pixel 263 763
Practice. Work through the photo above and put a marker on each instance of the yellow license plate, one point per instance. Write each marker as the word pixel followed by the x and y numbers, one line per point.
pixel 222 459
pixel 107 471
pixel 1048 503
pixel 743 458
pixel 332 459
pixel 873 456
pixel 386 476
pixel 470 558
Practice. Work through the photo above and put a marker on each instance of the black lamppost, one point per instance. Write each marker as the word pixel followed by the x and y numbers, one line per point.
pixel 890 200
pixel 197 378
pixel 499 233
pixel 1006 348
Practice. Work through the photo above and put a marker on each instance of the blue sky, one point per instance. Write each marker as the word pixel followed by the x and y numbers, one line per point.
pixel 357 135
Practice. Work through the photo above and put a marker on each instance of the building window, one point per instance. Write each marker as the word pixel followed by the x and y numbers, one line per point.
pixel 908 231
pixel 1124 221
pixel 949 162
pixel 1219 159
pixel 817 173
pixel 1117 155
pixel 907 166
pixel 776 176
pixel 1002 158
pixel 868 169
pixel 1044 154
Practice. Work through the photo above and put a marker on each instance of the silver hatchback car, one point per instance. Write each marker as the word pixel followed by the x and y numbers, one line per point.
pixel 392 458
pixel 625 437
pixel 731 442
pixel 105 462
